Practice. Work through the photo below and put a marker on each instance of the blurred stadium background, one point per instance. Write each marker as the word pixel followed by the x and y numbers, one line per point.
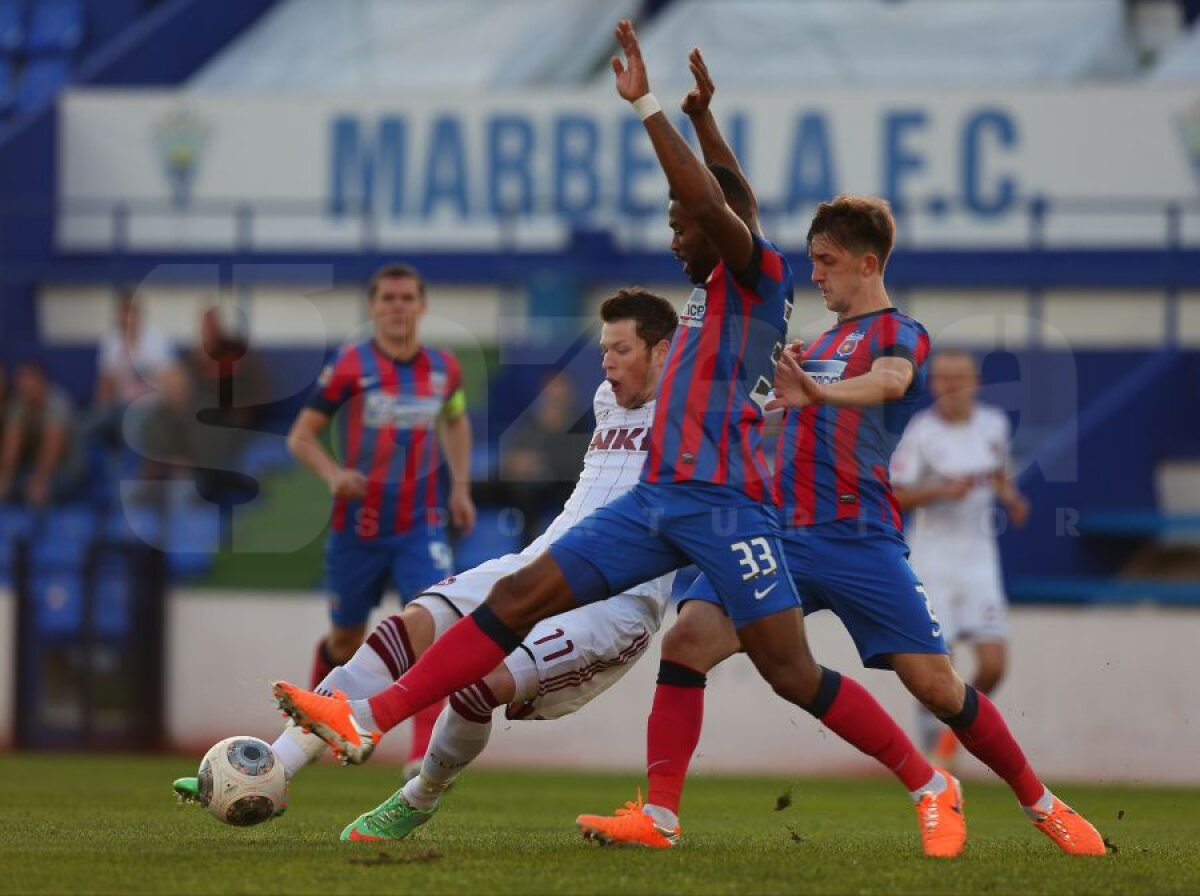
pixel 262 158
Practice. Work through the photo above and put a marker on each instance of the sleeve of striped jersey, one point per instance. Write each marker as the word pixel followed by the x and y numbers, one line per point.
pixel 765 270
pixel 906 339
pixel 455 403
pixel 334 386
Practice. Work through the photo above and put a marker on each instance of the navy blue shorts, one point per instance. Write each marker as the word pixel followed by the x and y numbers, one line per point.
pixel 654 529
pixel 864 577
pixel 358 571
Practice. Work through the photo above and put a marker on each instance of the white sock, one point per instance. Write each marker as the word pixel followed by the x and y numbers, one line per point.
pixel 363 715
pixel 455 744
pixel 934 785
pixel 363 675
pixel 662 816
pixel 296 749
pixel 1043 806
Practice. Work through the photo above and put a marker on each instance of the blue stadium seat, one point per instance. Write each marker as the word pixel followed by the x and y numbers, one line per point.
pixel 12 26
pixel 264 454
pixel 193 536
pixel 135 524
pixel 57 602
pixel 15 523
pixel 64 537
pixel 8 87
pixel 41 82
pixel 111 607
pixel 494 536
pixel 56 26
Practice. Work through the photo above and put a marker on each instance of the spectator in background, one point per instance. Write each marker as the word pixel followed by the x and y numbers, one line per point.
pixel 40 460
pixel 178 441
pixel 950 469
pixel 542 454
pixel 131 356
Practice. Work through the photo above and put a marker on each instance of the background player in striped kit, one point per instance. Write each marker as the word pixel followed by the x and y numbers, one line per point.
pixel 704 496
pixel 950 469
pixel 566 660
pixel 848 397
pixel 392 401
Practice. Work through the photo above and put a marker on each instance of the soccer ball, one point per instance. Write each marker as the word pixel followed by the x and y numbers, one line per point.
pixel 241 781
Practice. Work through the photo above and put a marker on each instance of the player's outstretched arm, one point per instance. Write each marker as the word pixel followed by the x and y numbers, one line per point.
pixel 888 380
pixel 455 435
pixel 696 105
pixel 304 443
pixel 692 184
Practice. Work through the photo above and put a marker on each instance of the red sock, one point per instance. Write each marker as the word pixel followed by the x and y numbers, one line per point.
pixel 673 732
pixel 857 718
pixel 423 730
pixel 470 649
pixel 322 665
pixel 983 731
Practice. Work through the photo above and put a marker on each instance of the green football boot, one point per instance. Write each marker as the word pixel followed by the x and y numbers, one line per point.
pixel 188 791
pixel 393 819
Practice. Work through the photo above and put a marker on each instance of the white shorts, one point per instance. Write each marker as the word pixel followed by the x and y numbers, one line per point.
pixel 565 660
pixel 967 595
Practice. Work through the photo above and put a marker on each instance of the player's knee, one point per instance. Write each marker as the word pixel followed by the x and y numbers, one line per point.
pixel 525 597
pixel 696 646
pixel 941 694
pixel 793 679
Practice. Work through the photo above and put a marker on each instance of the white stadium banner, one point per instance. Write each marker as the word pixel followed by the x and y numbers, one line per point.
pixel 501 171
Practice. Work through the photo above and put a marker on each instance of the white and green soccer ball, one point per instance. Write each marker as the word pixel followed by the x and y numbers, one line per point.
pixel 241 781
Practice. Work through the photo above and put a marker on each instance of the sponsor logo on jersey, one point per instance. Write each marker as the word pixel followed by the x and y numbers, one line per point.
pixel 692 314
pixel 400 411
pixel 824 372
pixel 437 380
pixel 635 438
pixel 326 376
pixel 849 344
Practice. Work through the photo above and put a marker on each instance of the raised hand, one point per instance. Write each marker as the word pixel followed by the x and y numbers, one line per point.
pixel 697 99
pixel 632 83
pixel 793 387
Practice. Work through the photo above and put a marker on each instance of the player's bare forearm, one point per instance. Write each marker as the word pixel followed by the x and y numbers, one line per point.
pixel 875 387
pixel 718 152
pixel 456 443
pixel 692 184
pixel 304 443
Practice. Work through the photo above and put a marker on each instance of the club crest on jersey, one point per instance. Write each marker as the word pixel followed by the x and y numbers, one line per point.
pixel 692 314
pixel 850 343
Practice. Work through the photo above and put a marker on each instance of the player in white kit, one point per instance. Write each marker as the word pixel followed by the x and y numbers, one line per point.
pixel 565 661
pixel 950 469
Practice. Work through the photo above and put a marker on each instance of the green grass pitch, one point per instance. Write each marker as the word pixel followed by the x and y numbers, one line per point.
pixel 71 824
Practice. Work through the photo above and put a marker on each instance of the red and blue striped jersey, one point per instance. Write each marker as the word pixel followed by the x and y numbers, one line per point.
pixel 385 415
pixel 832 462
pixel 708 420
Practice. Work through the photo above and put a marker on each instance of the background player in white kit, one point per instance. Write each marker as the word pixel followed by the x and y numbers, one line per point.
pixel 951 467
pixel 566 660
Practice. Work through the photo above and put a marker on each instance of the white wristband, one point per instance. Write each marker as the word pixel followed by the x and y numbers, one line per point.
pixel 647 105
